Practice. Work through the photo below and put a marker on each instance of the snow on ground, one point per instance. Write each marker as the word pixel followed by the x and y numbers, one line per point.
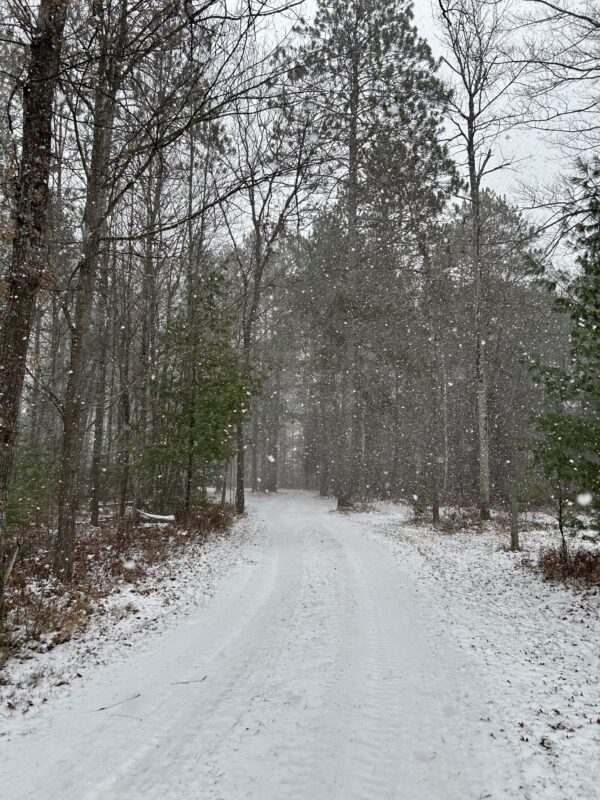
pixel 123 621
pixel 538 642
pixel 346 657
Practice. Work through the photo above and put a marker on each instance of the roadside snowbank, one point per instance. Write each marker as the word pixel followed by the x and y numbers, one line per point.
pixel 540 642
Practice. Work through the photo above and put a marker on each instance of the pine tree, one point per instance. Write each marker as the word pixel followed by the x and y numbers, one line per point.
pixel 371 82
pixel 570 445
pixel 200 394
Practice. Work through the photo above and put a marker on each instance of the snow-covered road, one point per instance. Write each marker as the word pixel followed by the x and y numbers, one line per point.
pixel 320 670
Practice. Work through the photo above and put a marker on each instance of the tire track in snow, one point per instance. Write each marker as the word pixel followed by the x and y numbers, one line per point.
pixel 236 670
pixel 329 675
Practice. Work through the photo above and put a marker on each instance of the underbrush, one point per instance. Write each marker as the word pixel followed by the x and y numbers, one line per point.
pixel 357 507
pixel 579 564
pixel 42 612
pixel 455 520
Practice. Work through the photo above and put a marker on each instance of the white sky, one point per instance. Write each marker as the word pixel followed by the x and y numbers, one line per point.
pixel 534 160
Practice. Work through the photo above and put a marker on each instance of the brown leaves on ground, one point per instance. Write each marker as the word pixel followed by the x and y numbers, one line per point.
pixel 42 610
pixel 580 564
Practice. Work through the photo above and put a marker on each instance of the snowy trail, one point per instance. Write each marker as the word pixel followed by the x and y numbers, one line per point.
pixel 319 671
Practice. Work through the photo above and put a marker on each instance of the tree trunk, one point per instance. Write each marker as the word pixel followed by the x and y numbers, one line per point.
pixel 125 445
pixel 100 400
pixel 480 365
pixel 29 264
pixel 109 74
pixel 7 563
pixel 343 489
pixel 432 300
pixel 189 474
pixel 324 447
pixel 67 500
pixel 435 489
pixel 514 518
pixel 35 385
pixel 273 454
pixel 240 502
pixel 254 454
pixel 124 416
pixel 349 440
pixel 224 486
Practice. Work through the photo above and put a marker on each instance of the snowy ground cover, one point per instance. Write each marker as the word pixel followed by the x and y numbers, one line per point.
pixel 538 641
pixel 316 654
pixel 131 615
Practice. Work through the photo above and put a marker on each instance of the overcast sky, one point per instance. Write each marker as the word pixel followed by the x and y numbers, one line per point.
pixel 535 161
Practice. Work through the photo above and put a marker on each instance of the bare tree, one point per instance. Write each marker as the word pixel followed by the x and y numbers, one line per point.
pixel 110 70
pixel 29 268
pixel 198 88
pixel 563 46
pixel 275 158
pixel 478 35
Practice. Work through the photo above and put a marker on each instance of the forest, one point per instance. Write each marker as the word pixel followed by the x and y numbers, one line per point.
pixel 250 246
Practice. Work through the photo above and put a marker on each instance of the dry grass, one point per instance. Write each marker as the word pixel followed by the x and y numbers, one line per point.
pixel 581 565
pixel 459 519
pixel 42 612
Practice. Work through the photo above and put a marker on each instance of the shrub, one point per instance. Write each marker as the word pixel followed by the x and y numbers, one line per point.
pixel 581 564
pixel 459 519
pixel 41 608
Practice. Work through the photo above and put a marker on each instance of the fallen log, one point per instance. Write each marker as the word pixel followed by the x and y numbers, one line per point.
pixel 7 563
pixel 144 516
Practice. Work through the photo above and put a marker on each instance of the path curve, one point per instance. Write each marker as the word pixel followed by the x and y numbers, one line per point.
pixel 320 670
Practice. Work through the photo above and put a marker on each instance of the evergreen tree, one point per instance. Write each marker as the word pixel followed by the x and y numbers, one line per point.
pixel 570 445
pixel 371 82
pixel 200 397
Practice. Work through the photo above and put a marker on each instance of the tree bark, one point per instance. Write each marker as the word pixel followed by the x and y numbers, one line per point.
pixel 35 384
pixel 224 486
pixel 240 503
pixel 7 563
pixel 254 454
pixel 109 73
pixel 514 518
pixel 29 264
pixel 435 490
pixel 100 400
pixel 480 363
pixel 347 466
pixel 28 268
pixel 124 410
pixel 189 475
pixel 273 440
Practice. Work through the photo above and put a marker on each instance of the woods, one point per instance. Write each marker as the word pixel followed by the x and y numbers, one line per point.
pixel 246 249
